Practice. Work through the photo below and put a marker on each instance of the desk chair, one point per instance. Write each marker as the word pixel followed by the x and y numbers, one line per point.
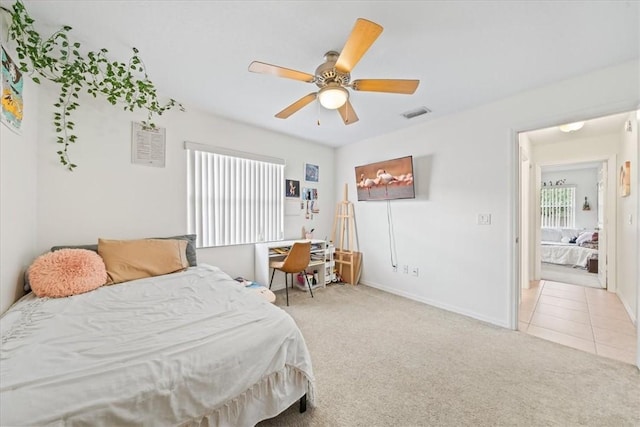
pixel 297 261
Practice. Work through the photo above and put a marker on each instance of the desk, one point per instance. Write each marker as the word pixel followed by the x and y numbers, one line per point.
pixel 266 252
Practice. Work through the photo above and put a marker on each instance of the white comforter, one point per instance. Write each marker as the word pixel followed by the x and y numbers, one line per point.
pixel 565 253
pixel 185 348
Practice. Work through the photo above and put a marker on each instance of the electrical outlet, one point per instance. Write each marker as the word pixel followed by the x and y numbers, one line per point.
pixel 395 268
pixel 414 271
pixel 405 269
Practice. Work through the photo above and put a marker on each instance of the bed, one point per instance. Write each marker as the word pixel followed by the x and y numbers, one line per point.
pixel 568 246
pixel 187 348
pixel 566 254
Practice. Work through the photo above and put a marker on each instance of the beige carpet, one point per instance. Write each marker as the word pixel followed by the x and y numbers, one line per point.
pixel 382 360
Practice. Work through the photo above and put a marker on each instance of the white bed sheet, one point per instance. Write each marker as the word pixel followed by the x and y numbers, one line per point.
pixel 190 348
pixel 565 253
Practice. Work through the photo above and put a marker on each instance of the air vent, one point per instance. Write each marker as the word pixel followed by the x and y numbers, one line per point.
pixel 415 113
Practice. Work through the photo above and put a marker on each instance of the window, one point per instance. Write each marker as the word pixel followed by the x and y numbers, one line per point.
pixel 233 198
pixel 558 207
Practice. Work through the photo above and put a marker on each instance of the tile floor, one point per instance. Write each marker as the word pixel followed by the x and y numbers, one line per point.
pixel 588 319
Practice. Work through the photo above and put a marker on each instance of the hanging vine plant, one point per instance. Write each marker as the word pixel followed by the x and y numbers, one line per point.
pixel 60 61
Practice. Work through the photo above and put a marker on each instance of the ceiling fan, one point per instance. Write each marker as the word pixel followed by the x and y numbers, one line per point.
pixel 333 77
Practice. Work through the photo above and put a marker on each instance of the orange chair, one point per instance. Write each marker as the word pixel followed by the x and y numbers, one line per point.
pixel 297 261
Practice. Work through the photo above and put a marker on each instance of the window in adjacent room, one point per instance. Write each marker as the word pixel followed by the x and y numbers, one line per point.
pixel 233 197
pixel 558 207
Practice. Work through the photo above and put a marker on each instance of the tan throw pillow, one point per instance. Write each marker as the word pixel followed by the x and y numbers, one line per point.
pixel 136 259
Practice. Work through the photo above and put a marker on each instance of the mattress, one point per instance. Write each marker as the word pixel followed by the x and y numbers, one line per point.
pixel 187 348
pixel 565 253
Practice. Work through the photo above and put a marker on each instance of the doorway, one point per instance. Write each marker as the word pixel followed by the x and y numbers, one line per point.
pixel 565 190
pixel 573 231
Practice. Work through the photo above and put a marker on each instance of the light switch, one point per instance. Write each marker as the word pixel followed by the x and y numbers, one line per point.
pixel 484 219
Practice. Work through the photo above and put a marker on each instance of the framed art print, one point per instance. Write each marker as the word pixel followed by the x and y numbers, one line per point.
pixel 292 188
pixel 625 179
pixel 311 172
pixel 12 81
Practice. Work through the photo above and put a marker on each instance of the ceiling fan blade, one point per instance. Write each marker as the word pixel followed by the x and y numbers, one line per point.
pixel 362 36
pixel 264 68
pixel 299 104
pixel 386 85
pixel 349 116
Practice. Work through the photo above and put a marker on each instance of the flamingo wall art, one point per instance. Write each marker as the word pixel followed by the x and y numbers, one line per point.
pixel 386 180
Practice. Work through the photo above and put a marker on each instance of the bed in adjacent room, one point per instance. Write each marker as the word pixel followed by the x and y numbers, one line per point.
pixel 186 348
pixel 568 246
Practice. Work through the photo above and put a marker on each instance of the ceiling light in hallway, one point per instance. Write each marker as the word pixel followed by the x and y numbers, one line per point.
pixel 571 127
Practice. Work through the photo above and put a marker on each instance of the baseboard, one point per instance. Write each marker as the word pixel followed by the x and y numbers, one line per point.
pixel 437 304
pixel 629 312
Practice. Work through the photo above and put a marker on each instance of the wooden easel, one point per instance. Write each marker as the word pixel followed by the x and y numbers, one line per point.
pixel 348 261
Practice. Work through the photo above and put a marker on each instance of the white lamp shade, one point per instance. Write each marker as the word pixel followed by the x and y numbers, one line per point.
pixel 332 97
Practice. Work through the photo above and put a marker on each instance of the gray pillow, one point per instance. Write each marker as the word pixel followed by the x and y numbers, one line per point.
pixel 88 247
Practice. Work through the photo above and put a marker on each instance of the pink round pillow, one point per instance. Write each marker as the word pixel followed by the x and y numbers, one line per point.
pixel 67 272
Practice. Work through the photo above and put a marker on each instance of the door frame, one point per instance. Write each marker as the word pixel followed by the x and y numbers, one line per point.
pixel 610 216
pixel 513 148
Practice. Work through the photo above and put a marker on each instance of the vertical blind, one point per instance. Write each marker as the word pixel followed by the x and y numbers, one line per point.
pixel 557 207
pixel 233 198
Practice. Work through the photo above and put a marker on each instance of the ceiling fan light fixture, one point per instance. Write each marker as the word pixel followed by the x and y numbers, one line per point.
pixel 333 96
pixel 571 127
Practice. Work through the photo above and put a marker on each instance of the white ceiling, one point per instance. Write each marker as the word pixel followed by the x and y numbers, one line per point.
pixel 465 53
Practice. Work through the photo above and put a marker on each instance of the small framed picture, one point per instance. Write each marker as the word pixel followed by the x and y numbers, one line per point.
pixel 292 188
pixel 311 172
pixel 309 193
pixel 625 179
pixel 11 86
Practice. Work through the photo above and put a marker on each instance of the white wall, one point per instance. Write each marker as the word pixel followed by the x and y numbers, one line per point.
pixel 465 164
pixel 18 172
pixel 627 245
pixel 108 196
pixel 586 182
